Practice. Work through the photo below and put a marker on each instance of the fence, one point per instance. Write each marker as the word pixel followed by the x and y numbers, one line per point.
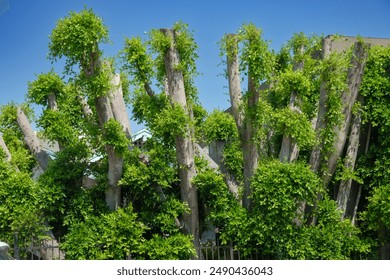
pixel 50 250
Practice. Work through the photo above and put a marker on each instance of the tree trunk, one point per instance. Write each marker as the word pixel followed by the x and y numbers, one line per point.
pixel 234 79
pixel 31 140
pixel 115 161
pixel 118 106
pixel 184 143
pixel 4 147
pixel 52 102
pixel 354 78
pixel 289 151
pixel 246 129
pixel 315 159
pixel 343 196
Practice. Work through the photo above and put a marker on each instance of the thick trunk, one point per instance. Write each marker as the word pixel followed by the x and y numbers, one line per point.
pixel 355 75
pixel 320 120
pixel 249 148
pixel 31 140
pixel 115 161
pixel 118 106
pixel 52 102
pixel 234 79
pixel 344 191
pixel 184 143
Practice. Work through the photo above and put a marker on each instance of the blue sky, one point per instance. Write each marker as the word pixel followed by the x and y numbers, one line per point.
pixel 25 26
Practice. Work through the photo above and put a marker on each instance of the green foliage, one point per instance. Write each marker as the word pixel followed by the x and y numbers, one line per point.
pixel 139 63
pixel 256 58
pixel 330 239
pixel 175 247
pixel 278 190
pixel 296 125
pixel 19 205
pixel 114 136
pixel 77 37
pixel 45 84
pixel 219 126
pixel 375 165
pixel 113 236
pixel 233 159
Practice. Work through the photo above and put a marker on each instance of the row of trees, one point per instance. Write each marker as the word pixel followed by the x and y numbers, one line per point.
pixel 300 170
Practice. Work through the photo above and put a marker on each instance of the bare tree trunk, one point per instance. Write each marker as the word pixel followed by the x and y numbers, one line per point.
pixel 343 195
pixel 246 129
pixel 184 143
pixel 31 140
pixel 234 79
pixel 52 101
pixel 118 106
pixel 115 161
pixel 355 75
pixel 249 148
pixel 315 159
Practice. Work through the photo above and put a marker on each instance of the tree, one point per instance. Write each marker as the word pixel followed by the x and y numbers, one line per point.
pixel 300 157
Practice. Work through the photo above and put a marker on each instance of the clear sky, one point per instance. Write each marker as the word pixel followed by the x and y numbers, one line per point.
pixel 25 26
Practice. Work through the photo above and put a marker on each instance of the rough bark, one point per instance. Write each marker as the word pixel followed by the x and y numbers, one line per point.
pixel 31 140
pixel 184 143
pixel 343 195
pixel 354 78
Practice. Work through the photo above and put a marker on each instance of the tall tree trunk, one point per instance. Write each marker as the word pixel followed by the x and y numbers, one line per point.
pixel 31 140
pixel 115 161
pixel 245 127
pixel 249 148
pixel 354 78
pixel 320 119
pixel 184 143
pixel 343 195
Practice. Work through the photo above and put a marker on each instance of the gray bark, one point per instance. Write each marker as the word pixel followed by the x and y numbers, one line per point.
pixel 217 165
pixel 320 118
pixel 31 140
pixel 118 106
pixel 234 79
pixel 52 101
pixel 355 75
pixel 246 129
pixel 184 143
pixel 343 195
pixel 115 161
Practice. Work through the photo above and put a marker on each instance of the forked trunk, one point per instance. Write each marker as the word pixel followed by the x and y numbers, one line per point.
pixel 32 140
